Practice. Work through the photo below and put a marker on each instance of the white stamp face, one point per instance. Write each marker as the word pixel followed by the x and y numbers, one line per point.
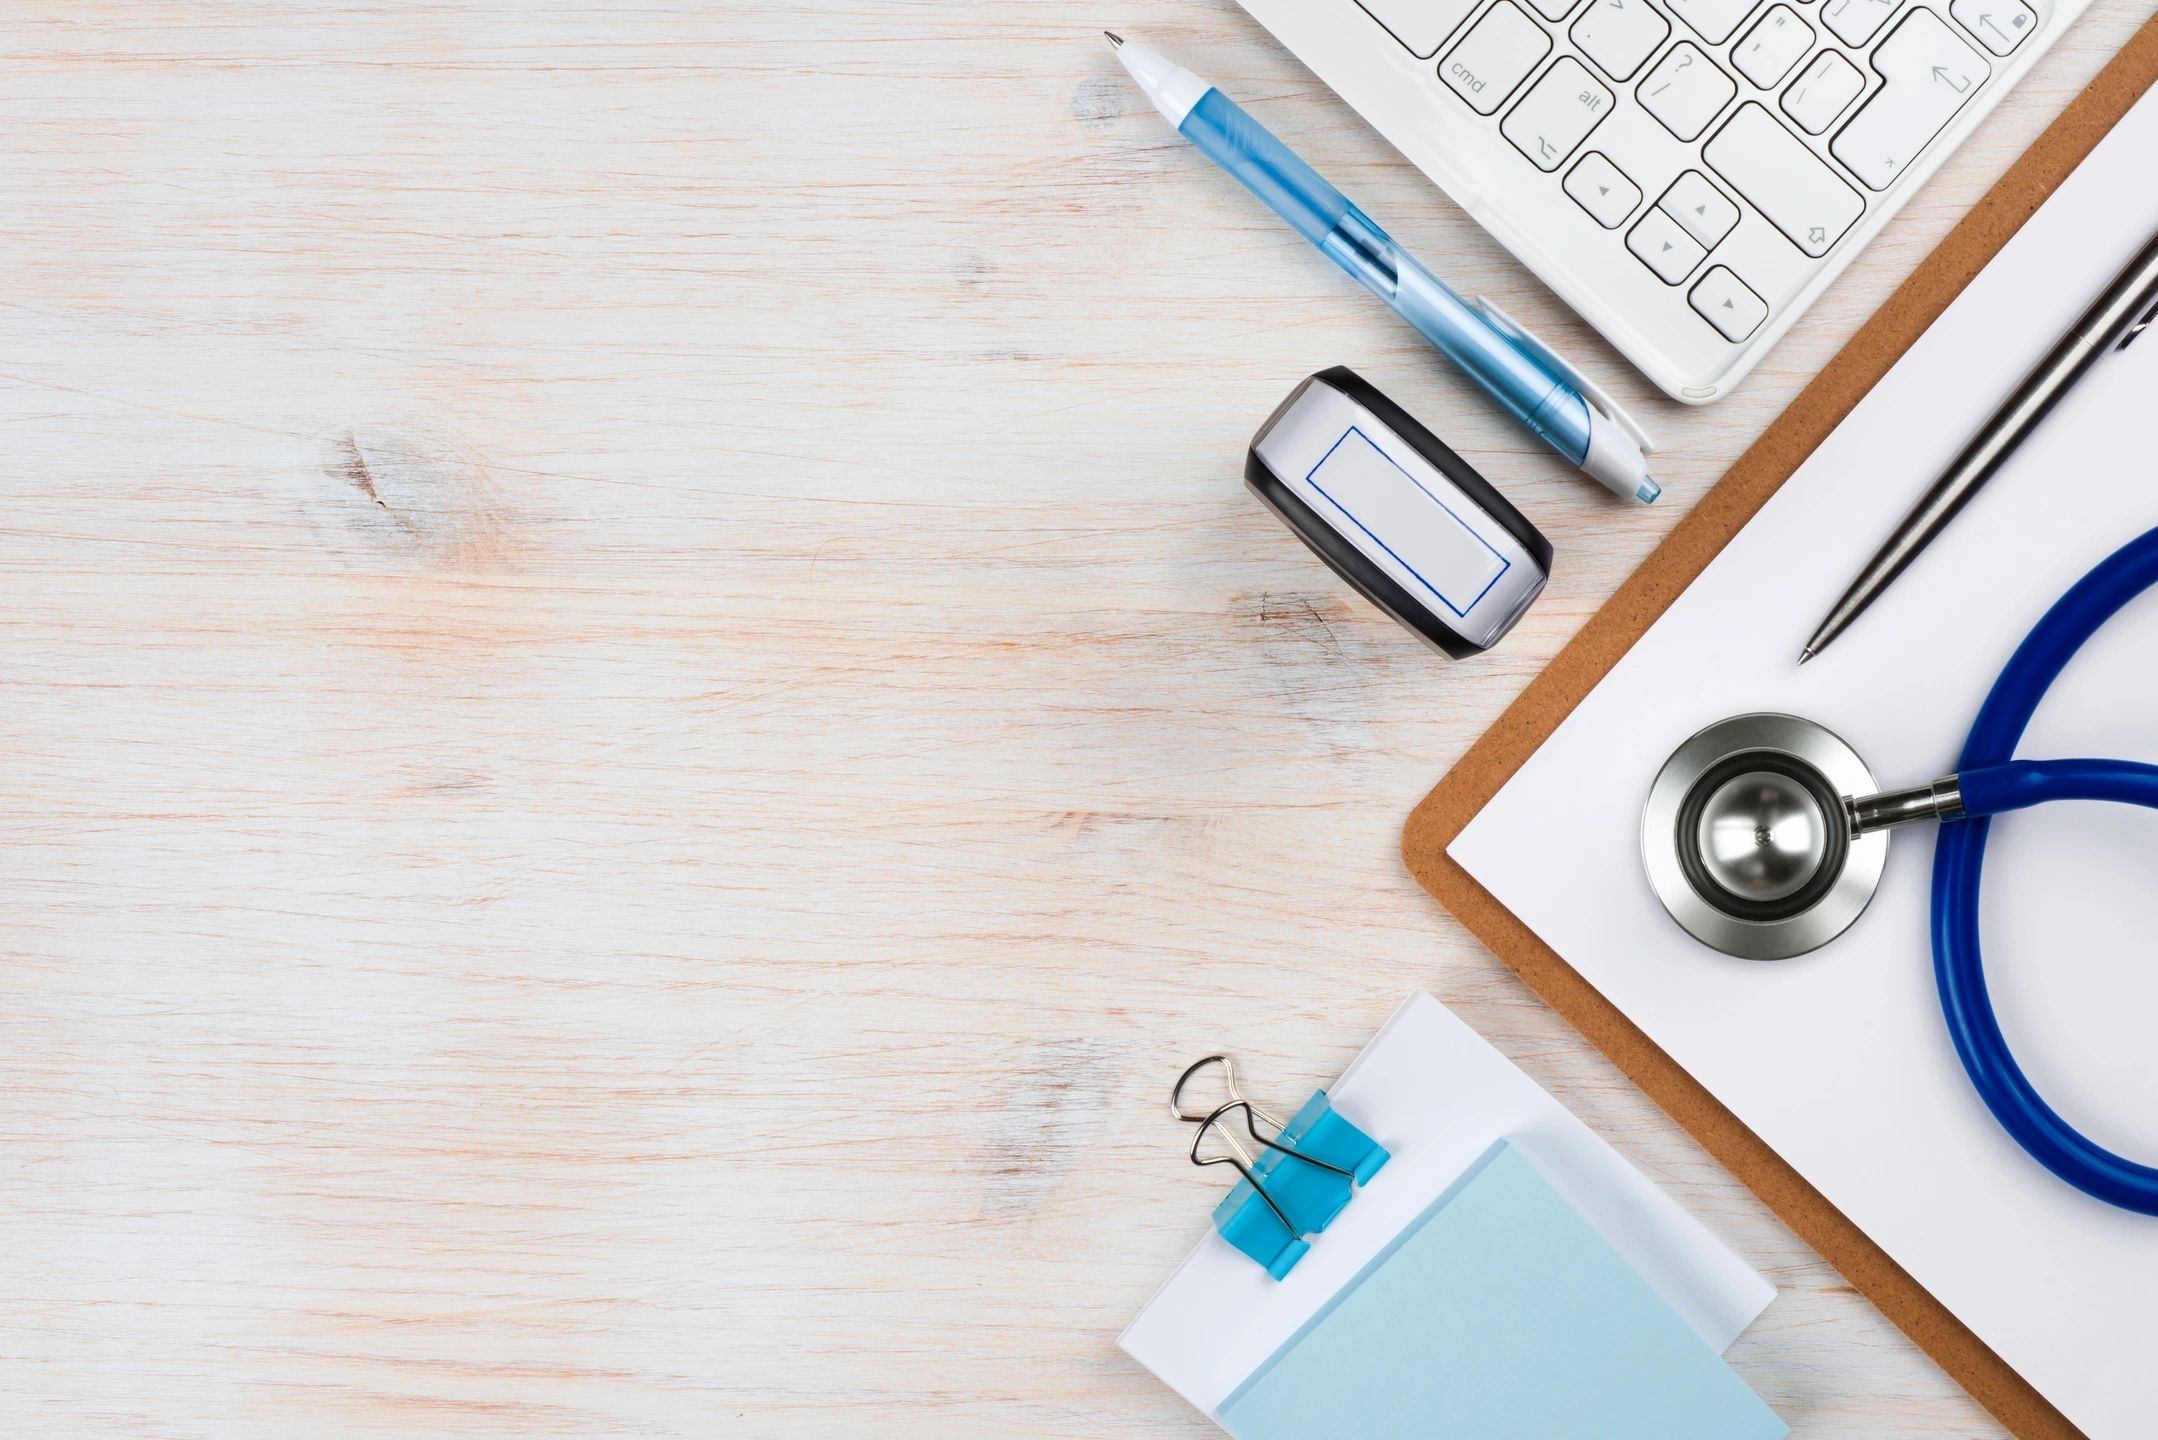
pixel 1462 568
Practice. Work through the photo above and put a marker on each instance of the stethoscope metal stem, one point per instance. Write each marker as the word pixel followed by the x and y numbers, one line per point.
pixel 1942 800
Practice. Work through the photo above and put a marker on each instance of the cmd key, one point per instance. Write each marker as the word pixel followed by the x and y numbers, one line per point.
pixel 1926 76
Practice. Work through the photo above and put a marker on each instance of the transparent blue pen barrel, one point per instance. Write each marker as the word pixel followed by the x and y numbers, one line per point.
pixel 1268 168
pixel 1323 215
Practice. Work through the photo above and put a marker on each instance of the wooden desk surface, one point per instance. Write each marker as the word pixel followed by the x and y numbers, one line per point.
pixel 644 714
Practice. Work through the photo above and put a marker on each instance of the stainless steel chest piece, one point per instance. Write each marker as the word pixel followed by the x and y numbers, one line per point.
pixel 1751 839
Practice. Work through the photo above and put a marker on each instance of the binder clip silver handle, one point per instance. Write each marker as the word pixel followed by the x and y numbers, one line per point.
pixel 1202 1115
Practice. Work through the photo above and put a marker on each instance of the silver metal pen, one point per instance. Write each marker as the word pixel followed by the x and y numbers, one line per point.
pixel 2115 318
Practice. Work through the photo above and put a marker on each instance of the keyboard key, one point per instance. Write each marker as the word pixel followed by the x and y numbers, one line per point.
pixel 1420 25
pixel 1926 75
pixel 1557 114
pixel 1728 303
pixel 1495 57
pixel 1664 248
pixel 1775 43
pixel 1620 34
pixel 1769 166
pixel 1700 208
pixel 1713 20
pixel 1685 91
pixel 1855 21
pixel 1822 91
pixel 2000 25
pixel 1602 189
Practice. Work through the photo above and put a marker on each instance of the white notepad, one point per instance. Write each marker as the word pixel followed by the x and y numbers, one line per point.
pixel 1840 1060
pixel 1437 1096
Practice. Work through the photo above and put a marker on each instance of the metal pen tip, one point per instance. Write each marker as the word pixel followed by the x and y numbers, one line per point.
pixel 1114 38
pixel 1804 656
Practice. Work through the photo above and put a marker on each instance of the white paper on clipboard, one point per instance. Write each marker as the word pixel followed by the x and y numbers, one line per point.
pixel 1840 1060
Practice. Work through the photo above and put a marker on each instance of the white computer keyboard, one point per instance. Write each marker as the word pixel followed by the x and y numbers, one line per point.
pixel 1687 174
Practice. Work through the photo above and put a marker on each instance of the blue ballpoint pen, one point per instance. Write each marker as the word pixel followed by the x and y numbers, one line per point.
pixel 1520 372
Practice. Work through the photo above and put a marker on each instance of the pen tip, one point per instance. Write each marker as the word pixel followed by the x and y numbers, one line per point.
pixel 1805 655
pixel 1114 38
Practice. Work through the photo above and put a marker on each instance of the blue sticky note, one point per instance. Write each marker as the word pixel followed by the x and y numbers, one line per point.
pixel 1498 1312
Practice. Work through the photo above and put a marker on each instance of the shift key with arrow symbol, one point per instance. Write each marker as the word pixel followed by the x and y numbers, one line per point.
pixel 1781 176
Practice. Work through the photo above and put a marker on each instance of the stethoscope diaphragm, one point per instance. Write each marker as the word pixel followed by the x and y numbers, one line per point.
pixel 1748 837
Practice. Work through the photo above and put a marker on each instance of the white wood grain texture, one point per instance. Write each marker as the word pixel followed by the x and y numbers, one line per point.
pixel 640 721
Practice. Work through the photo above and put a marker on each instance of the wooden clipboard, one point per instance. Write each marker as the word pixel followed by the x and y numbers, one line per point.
pixel 1611 633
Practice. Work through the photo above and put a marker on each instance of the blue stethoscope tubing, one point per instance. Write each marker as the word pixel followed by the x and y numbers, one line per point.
pixel 1992 782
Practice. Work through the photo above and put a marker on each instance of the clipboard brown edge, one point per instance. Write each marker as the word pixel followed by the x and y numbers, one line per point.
pixel 1611 632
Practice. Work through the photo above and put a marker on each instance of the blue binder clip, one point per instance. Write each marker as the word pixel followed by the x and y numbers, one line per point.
pixel 1308 1174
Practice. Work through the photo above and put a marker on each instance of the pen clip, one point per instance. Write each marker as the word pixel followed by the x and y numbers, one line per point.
pixel 1526 341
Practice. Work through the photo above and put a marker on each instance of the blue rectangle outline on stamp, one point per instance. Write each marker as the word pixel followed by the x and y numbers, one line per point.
pixel 1312 480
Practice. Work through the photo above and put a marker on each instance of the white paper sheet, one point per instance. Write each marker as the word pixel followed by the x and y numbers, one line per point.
pixel 1436 1095
pixel 1840 1060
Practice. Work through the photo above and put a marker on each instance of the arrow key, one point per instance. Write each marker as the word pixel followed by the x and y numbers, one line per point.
pixel 1602 189
pixel 1660 244
pixel 1700 208
pixel 1728 303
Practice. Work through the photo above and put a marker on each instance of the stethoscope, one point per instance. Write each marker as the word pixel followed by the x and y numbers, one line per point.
pixel 1764 837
